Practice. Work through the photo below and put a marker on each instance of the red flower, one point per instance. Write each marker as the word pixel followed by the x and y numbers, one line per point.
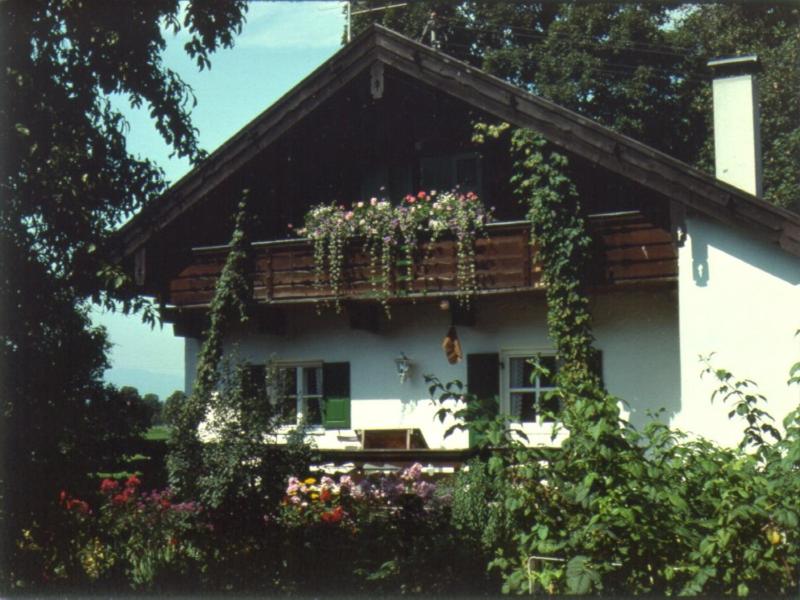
pixel 333 516
pixel 123 497
pixel 325 495
pixel 165 503
pixel 80 505
pixel 421 195
pixel 108 485
pixel 62 497
pixel 132 481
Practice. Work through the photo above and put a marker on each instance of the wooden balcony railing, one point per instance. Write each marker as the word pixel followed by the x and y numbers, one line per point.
pixel 630 248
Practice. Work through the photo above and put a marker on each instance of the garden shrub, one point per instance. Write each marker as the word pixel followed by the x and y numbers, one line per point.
pixel 132 539
pixel 379 534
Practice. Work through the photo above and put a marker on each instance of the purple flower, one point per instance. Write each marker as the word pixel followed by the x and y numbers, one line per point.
pixel 423 489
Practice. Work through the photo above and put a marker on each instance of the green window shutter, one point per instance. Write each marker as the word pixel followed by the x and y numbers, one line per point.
pixel 596 365
pixel 336 386
pixel 483 382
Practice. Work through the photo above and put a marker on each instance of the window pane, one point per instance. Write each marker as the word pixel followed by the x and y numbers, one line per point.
pixel 549 403
pixel 520 372
pixel 288 381
pixel 313 412
pixel 288 410
pixel 313 381
pixel 522 406
pixel 467 174
pixel 549 363
pixel 254 381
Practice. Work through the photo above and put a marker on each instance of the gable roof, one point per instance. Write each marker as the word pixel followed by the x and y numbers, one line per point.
pixel 599 144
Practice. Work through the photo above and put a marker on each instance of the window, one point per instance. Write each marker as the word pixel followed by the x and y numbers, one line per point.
pixel 447 171
pixel 298 392
pixel 527 392
pixel 316 392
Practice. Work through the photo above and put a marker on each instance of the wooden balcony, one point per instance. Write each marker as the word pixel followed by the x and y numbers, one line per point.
pixel 630 249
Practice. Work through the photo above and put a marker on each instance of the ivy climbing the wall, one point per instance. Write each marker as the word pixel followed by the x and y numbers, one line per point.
pixel 229 306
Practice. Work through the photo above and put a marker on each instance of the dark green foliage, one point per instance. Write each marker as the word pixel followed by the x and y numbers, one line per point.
pixel 67 182
pixel 238 471
pixel 172 407
pixel 155 408
pixel 638 68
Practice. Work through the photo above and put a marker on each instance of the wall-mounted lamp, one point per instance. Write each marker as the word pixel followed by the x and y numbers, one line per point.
pixel 403 364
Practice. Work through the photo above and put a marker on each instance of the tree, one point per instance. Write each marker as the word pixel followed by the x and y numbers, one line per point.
pixel 155 408
pixel 67 181
pixel 638 68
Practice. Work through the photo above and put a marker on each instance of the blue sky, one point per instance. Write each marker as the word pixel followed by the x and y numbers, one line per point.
pixel 281 43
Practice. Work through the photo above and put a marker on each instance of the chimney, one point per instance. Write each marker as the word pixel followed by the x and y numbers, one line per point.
pixel 737 133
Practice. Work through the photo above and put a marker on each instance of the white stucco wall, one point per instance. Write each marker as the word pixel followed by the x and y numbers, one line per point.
pixel 739 298
pixel 637 332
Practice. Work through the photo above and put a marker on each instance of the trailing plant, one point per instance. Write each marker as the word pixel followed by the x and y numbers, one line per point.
pixel 232 294
pixel 391 237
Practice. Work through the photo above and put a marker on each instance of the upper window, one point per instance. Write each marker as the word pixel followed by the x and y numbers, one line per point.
pixel 446 172
pixel 527 392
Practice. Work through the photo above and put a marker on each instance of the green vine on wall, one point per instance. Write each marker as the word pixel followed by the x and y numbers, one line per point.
pixel 229 306
pixel 560 230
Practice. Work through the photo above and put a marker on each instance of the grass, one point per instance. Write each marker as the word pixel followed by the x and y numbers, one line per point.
pixel 157 433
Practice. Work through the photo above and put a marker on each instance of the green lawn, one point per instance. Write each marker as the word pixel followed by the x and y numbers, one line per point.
pixel 157 433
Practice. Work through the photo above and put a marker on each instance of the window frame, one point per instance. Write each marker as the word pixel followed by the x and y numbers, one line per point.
pixel 299 395
pixel 536 388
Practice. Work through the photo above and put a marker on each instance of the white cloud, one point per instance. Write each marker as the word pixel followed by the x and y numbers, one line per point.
pixel 292 25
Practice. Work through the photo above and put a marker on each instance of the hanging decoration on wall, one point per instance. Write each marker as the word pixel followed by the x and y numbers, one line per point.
pixel 452 347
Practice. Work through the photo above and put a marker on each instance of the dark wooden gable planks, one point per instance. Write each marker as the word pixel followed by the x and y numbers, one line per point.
pixel 613 151
pixel 580 135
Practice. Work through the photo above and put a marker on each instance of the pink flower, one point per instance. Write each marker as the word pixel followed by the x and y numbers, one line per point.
pixel 412 473
pixel 423 489
pixel 373 201
pixel 348 215
pixel 293 487
pixel 421 195
pixel 346 481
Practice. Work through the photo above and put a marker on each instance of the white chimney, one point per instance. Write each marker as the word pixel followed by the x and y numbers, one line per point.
pixel 737 133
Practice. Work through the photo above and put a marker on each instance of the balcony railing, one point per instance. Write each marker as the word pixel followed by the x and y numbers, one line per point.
pixel 629 249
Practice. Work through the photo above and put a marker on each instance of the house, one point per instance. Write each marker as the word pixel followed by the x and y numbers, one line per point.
pixel 686 264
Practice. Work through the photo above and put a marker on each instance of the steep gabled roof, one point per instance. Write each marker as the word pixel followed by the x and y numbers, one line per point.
pixel 616 152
